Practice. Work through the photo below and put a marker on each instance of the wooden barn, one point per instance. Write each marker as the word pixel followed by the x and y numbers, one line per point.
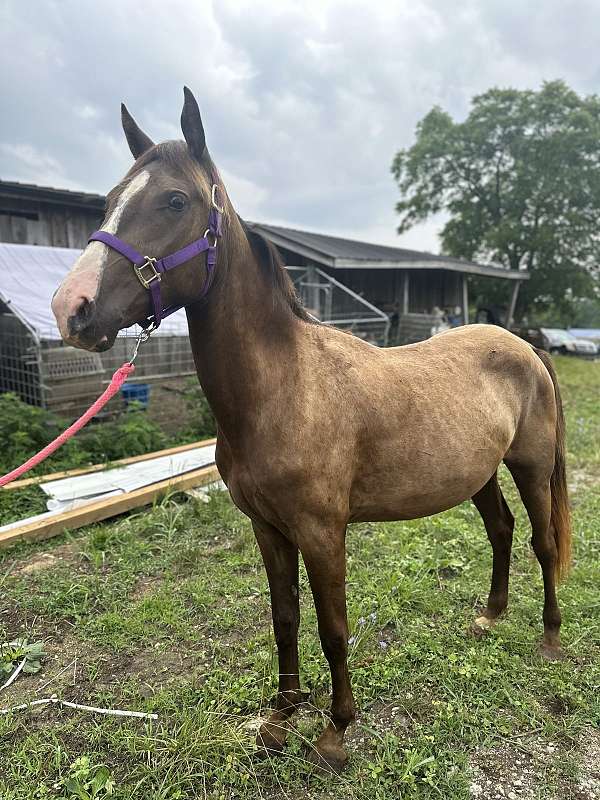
pixel 43 216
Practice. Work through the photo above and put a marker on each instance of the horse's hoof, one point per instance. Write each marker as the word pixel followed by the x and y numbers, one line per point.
pixel 330 762
pixel 270 739
pixel 552 652
pixel 482 625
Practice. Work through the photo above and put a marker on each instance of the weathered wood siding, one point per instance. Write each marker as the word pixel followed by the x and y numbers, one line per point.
pixel 31 222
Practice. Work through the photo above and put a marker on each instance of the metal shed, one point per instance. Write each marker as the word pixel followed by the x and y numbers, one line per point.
pixel 392 279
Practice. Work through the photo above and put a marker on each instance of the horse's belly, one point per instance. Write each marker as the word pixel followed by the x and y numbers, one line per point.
pixel 425 485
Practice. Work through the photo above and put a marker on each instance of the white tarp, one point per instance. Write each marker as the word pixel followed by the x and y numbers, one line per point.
pixel 96 485
pixel 29 276
pixel 69 493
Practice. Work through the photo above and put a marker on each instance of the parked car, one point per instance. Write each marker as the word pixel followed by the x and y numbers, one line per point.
pixel 557 340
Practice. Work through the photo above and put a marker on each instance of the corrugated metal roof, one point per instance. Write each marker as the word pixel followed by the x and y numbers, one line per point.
pixel 341 253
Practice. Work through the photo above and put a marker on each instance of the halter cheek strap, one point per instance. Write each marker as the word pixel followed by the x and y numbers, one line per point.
pixel 149 270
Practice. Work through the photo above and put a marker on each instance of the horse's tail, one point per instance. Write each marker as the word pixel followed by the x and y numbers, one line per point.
pixel 560 509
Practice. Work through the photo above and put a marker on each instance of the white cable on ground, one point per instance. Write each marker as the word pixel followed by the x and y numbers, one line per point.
pixel 13 677
pixel 115 712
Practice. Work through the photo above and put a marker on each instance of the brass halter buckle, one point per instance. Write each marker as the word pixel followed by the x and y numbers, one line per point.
pixel 147 279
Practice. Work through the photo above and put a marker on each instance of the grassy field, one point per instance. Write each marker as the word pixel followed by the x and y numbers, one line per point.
pixel 168 611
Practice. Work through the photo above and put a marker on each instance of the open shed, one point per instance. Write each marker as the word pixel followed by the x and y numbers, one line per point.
pixel 394 280
pixel 36 365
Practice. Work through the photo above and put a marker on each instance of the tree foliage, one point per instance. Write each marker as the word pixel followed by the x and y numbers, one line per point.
pixel 520 181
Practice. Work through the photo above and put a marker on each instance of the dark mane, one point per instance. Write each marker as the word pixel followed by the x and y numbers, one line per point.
pixel 270 262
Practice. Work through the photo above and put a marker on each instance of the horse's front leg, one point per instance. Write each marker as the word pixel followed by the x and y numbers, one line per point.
pixel 323 551
pixel 280 557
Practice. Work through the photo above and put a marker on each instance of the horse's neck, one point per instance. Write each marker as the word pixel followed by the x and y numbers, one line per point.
pixel 244 338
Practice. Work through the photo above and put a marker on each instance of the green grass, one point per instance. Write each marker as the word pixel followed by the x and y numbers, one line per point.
pixel 168 611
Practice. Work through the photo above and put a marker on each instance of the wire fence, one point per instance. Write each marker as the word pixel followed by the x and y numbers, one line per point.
pixel 335 304
pixel 43 371
pixel 66 380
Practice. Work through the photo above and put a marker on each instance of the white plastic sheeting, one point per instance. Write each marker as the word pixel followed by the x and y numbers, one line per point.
pixel 69 493
pixel 29 276
pixel 96 485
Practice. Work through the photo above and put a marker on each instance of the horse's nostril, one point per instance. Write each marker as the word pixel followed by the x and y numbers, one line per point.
pixel 82 317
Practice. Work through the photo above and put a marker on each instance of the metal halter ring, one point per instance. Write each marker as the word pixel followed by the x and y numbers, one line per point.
pixel 208 232
pixel 154 275
pixel 213 200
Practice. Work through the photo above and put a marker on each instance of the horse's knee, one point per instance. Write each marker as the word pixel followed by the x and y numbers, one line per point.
pixel 501 541
pixel 501 534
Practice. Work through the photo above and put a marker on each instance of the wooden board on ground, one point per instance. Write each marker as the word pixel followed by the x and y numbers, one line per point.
pixel 71 473
pixel 109 507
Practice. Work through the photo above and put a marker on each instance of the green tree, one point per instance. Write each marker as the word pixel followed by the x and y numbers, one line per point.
pixel 520 182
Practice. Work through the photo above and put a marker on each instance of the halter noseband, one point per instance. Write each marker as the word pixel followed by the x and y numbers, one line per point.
pixel 149 270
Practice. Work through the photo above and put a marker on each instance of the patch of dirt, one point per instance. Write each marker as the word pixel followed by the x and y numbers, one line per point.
pixel 80 672
pixel 559 706
pixel 518 769
pixel 588 782
pixel 38 562
pixel 67 553
pixel 151 669
pixel 504 771
pixel 62 667
pixel 146 587
pixel 16 622
pixel 382 717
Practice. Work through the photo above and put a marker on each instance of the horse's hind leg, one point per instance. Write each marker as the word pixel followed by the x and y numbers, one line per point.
pixel 499 524
pixel 281 562
pixel 537 500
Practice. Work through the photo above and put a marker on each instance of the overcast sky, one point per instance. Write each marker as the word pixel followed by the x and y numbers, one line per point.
pixel 304 103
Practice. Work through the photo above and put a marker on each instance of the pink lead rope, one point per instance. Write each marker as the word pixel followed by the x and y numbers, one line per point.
pixel 117 380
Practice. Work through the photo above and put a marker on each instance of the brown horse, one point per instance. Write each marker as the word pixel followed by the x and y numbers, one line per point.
pixel 318 428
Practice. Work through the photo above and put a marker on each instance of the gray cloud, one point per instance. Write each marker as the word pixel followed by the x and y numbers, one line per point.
pixel 304 104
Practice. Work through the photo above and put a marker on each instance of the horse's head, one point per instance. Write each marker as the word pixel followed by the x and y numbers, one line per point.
pixel 161 205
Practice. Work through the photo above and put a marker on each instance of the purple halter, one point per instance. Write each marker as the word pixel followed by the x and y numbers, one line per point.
pixel 149 270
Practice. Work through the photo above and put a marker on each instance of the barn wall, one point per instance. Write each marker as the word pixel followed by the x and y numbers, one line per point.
pixel 32 222
pixel 429 288
pixel 382 287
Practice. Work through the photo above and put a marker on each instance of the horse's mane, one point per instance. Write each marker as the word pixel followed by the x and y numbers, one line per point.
pixel 273 267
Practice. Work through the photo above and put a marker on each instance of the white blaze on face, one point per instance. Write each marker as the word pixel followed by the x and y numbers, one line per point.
pixel 83 281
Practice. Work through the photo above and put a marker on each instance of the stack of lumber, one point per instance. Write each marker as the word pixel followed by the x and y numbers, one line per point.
pixel 82 496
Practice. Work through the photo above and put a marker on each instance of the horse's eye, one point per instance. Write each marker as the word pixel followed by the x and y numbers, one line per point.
pixel 177 202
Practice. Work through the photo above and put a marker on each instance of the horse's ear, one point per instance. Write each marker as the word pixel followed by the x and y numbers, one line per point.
pixel 191 125
pixel 136 138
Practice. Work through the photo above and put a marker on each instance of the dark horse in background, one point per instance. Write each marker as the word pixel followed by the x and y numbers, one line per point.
pixel 317 428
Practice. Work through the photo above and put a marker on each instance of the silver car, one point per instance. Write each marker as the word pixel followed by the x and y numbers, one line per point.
pixel 561 341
